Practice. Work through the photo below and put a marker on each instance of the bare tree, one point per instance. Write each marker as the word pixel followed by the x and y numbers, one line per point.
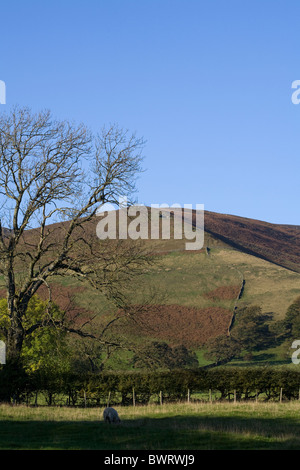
pixel 54 175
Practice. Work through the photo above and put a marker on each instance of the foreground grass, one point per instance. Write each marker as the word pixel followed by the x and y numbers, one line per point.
pixel 169 427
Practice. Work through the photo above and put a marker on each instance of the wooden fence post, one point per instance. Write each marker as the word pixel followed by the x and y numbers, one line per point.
pixel 160 397
pixel 108 399
pixel 188 396
pixel 133 396
pixel 210 396
pixel 280 399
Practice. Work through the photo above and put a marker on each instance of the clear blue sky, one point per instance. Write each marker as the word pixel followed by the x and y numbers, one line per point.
pixel 206 83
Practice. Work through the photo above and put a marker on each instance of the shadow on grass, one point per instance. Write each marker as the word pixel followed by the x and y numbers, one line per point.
pixel 171 433
pixel 263 359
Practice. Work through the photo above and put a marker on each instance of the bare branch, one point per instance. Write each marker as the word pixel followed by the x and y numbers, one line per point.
pixel 54 175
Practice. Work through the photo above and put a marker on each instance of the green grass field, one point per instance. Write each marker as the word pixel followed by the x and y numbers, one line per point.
pixel 188 426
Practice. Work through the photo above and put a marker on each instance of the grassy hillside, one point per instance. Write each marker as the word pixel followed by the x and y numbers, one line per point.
pixel 193 293
pixel 199 293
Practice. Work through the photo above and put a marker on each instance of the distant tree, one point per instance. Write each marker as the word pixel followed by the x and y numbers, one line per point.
pixel 184 358
pixel 251 329
pixel 161 355
pixel 87 355
pixel 291 323
pixel 251 332
pixel 287 329
pixel 222 349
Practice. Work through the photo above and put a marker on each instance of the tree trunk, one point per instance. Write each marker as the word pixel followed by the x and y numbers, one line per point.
pixel 14 343
pixel 15 336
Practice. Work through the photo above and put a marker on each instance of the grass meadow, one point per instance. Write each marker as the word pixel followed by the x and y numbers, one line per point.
pixel 185 426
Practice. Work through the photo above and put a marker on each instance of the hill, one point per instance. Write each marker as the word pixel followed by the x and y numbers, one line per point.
pixel 196 292
pixel 279 244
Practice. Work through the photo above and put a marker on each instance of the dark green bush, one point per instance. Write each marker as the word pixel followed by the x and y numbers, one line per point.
pixel 121 387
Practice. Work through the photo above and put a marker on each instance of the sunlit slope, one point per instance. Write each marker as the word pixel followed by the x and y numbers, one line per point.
pixel 188 278
pixel 193 293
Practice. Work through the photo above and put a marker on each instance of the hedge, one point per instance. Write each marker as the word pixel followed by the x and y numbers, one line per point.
pixel 124 387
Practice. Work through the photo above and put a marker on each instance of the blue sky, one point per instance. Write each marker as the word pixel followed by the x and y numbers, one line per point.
pixel 206 83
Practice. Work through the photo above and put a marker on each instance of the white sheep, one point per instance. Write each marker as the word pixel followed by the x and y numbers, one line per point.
pixel 110 415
